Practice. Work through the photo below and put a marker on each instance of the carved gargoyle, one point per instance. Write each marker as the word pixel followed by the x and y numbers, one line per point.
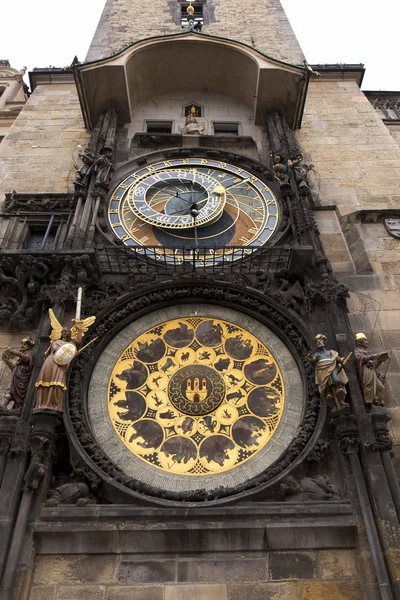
pixel 308 488
pixel 70 493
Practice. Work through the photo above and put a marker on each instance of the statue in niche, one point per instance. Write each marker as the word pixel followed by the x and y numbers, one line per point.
pixel 301 171
pixel 64 343
pixel 21 370
pixel 371 381
pixel 330 375
pixel 192 126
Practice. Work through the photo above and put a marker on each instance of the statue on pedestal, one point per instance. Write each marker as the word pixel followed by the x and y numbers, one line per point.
pixel 21 370
pixel 330 376
pixel 63 348
pixel 192 126
pixel 371 381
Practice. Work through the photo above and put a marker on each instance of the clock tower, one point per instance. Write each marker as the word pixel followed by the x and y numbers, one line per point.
pixel 193 197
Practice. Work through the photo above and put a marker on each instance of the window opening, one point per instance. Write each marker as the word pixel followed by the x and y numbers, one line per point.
pixel 159 126
pixel 231 129
pixel 38 240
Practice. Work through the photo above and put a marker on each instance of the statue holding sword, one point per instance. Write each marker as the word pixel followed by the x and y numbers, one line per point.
pixel 64 344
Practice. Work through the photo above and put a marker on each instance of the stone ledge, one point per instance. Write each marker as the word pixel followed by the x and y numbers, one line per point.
pixel 173 531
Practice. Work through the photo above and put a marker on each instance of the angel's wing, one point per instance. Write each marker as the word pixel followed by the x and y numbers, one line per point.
pixel 55 326
pixel 81 326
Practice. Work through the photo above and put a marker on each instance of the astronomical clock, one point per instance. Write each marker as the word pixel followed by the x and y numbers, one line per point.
pixel 187 203
pixel 195 386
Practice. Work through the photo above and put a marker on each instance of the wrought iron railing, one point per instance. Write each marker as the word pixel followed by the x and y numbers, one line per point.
pixel 141 259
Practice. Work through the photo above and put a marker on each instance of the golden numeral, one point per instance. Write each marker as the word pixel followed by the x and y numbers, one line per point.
pixel 115 224
pixel 270 202
pixel 113 211
pixel 151 169
pixel 253 231
pixel 124 186
pixel 244 240
pixel 222 165
pixel 185 161
pixel 204 161
pixel 167 163
pixel 253 178
pixel 144 239
pixel 125 238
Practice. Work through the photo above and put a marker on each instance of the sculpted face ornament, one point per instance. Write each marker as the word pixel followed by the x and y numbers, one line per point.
pixel 195 396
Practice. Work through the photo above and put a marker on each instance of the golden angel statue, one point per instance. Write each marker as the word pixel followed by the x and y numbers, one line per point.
pixel 64 344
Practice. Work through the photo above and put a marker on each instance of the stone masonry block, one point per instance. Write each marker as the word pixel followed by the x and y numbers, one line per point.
pixel 147 572
pixel 94 568
pixel 264 591
pixel 196 592
pixel 136 592
pixel 292 565
pixel 221 571
pixel 329 591
pixel 337 564
pixel 80 592
pixel 43 592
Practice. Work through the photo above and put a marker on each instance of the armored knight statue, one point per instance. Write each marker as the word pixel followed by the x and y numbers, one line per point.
pixel 330 376
pixel 371 381
pixel 64 343
pixel 21 370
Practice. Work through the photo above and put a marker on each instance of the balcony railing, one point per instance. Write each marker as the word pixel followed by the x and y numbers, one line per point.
pixel 140 259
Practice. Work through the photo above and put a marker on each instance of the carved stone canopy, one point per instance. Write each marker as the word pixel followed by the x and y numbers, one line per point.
pixel 159 65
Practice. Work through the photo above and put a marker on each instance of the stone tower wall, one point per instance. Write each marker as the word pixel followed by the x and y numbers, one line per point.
pixel 263 24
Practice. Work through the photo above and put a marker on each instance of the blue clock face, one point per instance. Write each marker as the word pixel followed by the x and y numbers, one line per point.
pixel 177 199
pixel 186 203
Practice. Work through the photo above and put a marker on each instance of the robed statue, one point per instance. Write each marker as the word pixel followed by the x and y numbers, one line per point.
pixel 64 345
pixel 330 376
pixel 20 363
pixel 371 381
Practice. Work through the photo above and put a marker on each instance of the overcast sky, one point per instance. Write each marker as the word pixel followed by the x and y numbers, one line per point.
pixel 48 32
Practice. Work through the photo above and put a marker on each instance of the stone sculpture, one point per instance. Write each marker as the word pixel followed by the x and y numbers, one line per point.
pixel 64 343
pixel 330 376
pixel 21 370
pixel 371 381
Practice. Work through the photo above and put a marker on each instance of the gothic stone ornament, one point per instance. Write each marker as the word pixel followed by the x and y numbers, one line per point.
pixel 183 203
pixel 393 226
pixel 208 392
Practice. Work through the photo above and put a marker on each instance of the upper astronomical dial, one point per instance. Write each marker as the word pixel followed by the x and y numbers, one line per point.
pixel 186 204
pixel 177 198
